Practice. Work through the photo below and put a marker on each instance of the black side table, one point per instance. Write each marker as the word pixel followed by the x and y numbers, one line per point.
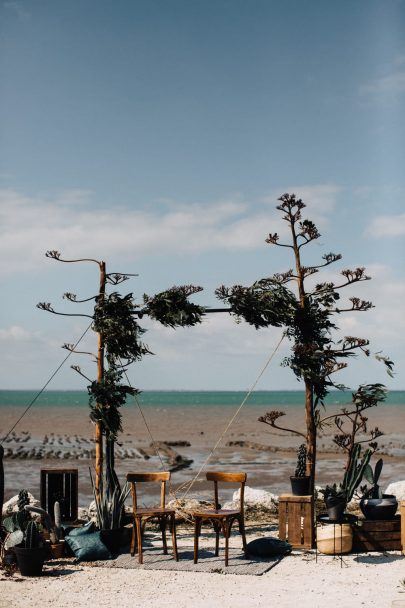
pixel 347 518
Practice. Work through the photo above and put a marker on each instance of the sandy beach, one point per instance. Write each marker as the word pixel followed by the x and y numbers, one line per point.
pixel 64 437
pixel 374 580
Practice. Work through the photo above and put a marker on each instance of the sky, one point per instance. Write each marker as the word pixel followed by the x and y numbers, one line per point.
pixel 157 135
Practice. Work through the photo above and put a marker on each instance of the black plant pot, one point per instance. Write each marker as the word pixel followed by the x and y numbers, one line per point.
pixel 335 507
pixel 379 508
pixel 30 561
pixel 115 538
pixel 300 485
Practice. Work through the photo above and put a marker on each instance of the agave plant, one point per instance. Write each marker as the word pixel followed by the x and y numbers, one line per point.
pixel 109 509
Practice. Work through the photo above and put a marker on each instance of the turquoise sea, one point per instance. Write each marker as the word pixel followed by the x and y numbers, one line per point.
pixel 174 399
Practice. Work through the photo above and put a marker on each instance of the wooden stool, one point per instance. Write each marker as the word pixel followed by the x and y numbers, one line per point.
pixel 296 520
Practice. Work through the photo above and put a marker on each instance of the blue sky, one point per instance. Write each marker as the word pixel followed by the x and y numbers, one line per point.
pixel 157 135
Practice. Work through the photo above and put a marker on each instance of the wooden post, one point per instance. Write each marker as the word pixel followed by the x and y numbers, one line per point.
pixel 100 376
pixel 403 527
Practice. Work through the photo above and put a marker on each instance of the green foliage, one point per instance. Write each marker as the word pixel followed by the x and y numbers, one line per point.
pixel 106 397
pixel 308 316
pixel 300 470
pixel 114 320
pixel 355 471
pixel 172 308
pixel 372 477
pixel 266 302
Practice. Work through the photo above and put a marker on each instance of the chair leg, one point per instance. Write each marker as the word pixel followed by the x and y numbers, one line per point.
pixel 139 539
pixel 217 528
pixel 226 534
pixel 242 532
pixel 174 539
pixel 133 539
pixel 162 522
pixel 197 528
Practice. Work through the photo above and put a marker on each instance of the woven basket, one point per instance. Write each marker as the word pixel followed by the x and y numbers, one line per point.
pixel 334 539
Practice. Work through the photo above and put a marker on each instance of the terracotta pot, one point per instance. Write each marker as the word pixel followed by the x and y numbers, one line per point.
pixel 57 550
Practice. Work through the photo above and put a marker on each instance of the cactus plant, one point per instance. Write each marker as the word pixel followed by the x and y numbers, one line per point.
pixel 300 470
pixel 372 477
pixel 32 536
pixel 57 518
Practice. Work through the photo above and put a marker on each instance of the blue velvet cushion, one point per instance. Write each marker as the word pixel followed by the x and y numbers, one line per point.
pixel 86 529
pixel 88 547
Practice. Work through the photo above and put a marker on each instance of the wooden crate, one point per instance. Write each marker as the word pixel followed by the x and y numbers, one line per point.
pixel 60 485
pixel 296 520
pixel 377 535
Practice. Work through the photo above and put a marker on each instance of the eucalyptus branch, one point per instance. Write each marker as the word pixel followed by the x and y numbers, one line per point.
pixel 71 348
pixel 114 278
pixel 47 306
pixel 73 298
pixel 270 419
pixel 55 255
pixel 77 369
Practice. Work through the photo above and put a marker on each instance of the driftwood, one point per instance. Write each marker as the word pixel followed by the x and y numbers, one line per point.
pixel 175 461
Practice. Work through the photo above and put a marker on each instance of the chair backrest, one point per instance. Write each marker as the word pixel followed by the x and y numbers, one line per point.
pixel 227 477
pixel 162 476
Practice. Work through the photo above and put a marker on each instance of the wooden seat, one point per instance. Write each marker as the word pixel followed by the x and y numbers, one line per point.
pixel 221 518
pixel 141 516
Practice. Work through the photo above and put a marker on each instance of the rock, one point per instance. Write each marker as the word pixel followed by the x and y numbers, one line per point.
pixel 396 488
pixel 11 506
pixel 255 499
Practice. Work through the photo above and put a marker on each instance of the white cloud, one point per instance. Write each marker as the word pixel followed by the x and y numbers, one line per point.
pixel 70 222
pixel 390 85
pixel 387 225
pixel 15 332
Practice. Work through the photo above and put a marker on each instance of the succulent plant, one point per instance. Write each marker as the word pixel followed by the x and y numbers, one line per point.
pixel 300 470
pixel 372 477
pixel 32 536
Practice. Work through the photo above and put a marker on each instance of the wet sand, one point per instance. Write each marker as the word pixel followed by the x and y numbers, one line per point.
pixel 54 438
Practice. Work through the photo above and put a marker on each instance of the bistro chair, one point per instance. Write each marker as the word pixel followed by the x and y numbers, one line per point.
pixel 221 519
pixel 142 515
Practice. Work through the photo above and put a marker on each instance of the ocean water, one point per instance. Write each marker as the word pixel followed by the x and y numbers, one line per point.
pixel 193 399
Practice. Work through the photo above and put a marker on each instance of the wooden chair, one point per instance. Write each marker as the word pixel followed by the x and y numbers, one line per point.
pixel 222 518
pixel 141 516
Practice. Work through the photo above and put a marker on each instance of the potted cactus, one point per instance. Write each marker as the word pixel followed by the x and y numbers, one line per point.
pixel 56 544
pixel 24 538
pixel 300 482
pixel 374 504
pixel 30 553
pixel 338 495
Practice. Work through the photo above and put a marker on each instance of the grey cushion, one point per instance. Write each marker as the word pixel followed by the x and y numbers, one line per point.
pixel 267 547
pixel 88 547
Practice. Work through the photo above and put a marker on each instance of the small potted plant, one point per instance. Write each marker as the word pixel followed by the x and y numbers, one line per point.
pixel 300 482
pixel 374 504
pixel 24 538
